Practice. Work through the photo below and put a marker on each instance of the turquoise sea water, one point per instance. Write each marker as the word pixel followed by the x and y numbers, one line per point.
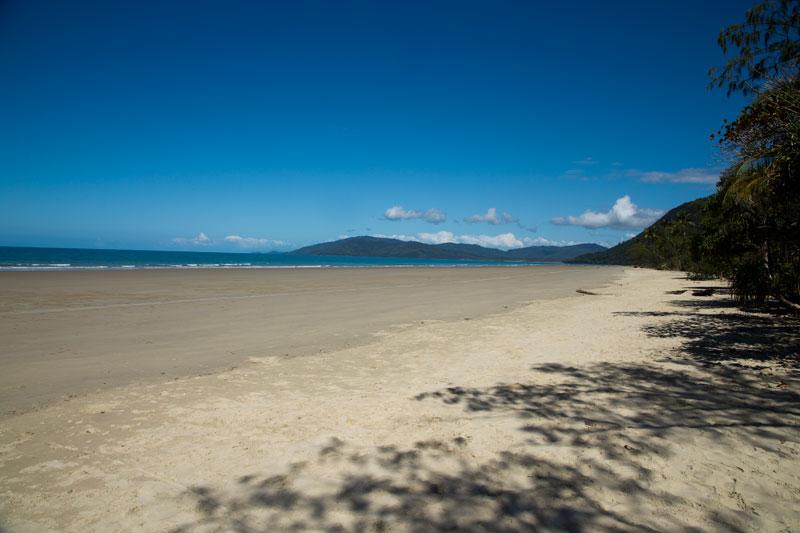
pixel 17 258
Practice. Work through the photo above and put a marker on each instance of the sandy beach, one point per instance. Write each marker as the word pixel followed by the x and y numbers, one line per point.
pixel 71 332
pixel 410 400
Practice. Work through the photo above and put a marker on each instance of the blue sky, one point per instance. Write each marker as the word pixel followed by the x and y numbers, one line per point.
pixel 173 125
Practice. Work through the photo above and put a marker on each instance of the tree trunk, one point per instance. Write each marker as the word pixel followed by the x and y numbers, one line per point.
pixel 788 303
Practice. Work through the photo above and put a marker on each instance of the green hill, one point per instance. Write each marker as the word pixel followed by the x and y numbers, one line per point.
pixel 382 247
pixel 671 243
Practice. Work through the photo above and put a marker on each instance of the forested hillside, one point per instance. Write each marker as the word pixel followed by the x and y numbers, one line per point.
pixel 749 230
pixel 674 242
pixel 382 247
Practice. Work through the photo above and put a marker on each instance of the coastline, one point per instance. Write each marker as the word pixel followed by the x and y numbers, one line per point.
pixel 247 266
pixel 26 259
pixel 594 412
pixel 68 333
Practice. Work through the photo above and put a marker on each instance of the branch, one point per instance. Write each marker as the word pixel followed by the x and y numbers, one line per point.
pixel 788 303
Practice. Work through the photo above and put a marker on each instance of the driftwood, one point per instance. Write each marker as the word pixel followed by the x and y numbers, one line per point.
pixel 790 304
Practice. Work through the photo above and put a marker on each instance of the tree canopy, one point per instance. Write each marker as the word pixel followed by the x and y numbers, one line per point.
pixel 748 231
pixel 767 46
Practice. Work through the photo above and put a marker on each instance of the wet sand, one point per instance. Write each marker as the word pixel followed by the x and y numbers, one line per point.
pixel 72 332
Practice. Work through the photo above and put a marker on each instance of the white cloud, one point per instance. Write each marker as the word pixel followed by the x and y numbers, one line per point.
pixel 434 216
pixel 491 217
pixel 200 240
pixel 623 215
pixel 440 237
pixel 505 241
pixel 541 241
pixel 685 175
pixel 243 242
pixel 252 242
pixel 585 161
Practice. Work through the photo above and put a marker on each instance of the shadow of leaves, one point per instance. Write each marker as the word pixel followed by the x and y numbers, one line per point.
pixel 611 419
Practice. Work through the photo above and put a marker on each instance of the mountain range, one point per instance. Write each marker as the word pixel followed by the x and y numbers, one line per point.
pixel 383 247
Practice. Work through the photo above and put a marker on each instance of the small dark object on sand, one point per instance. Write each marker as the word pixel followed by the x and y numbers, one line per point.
pixel 675 292
pixel 581 291
pixel 632 449
pixel 703 292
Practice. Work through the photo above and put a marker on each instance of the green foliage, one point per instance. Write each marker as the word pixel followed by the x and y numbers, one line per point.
pixel 672 243
pixel 749 230
pixel 768 46
pixel 753 229
pixel 756 236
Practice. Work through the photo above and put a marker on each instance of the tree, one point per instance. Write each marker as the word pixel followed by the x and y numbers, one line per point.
pixel 768 45
pixel 759 197
pixel 756 210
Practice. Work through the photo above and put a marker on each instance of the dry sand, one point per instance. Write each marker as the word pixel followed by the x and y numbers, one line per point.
pixel 632 409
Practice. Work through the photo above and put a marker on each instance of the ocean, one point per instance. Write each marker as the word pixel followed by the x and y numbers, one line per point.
pixel 24 258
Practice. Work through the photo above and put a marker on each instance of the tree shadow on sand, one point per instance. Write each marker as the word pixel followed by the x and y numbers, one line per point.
pixel 728 336
pixel 430 487
pixel 611 420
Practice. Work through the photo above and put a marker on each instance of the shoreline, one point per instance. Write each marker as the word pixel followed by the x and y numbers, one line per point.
pixel 72 332
pixel 246 266
pixel 597 412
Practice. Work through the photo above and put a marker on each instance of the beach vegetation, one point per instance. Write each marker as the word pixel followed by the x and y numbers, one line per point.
pixel 754 217
pixel 767 46
pixel 748 231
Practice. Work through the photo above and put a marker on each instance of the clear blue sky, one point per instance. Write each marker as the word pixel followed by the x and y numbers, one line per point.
pixel 145 124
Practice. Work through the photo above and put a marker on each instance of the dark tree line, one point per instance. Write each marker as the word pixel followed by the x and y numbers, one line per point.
pixel 749 230
pixel 753 220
